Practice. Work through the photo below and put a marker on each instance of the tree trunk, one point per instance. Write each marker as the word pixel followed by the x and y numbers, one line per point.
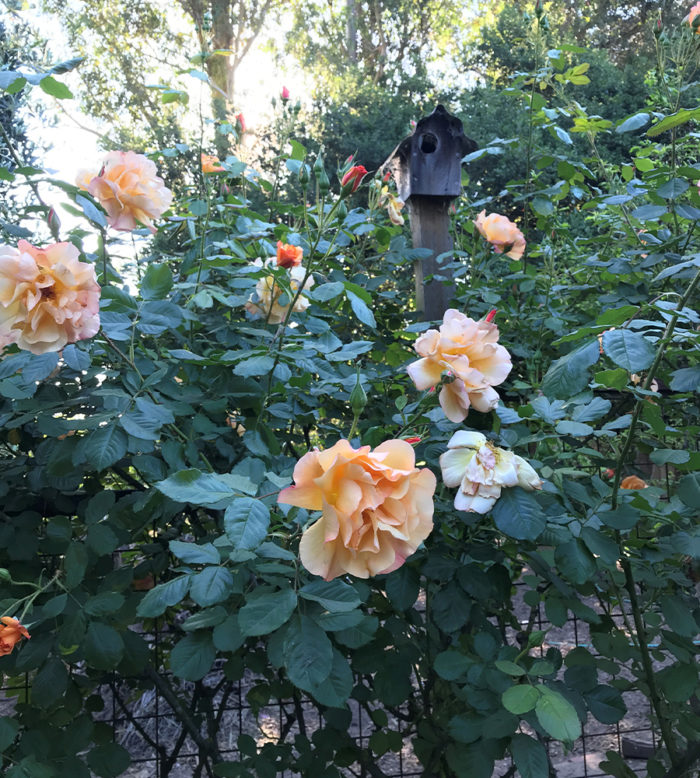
pixel 220 70
pixel 351 30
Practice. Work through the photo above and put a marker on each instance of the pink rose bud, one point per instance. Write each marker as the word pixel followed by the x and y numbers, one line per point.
pixel 285 93
pixel 240 120
pixel 387 176
pixel 491 315
pixel 54 222
pixel 351 181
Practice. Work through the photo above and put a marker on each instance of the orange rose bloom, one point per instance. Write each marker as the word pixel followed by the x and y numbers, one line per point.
pixel 632 482
pixel 288 255
pixel 48 298
pixel 469 351
pixel 211 164
pixel 377 508
pixel 501 233
pixel 694 11
pixel 11 632
pixel 129 190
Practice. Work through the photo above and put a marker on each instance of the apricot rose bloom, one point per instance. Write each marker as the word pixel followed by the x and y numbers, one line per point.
pixel 481 470
pixel 468 351
pixel 265 302
pixel 48 298
pixel 211 164
pixel 129 189
pixel 11 632
pixel 501 233
pixel 288 255
pixel 633 482
pixel 377 507
pixel 694 11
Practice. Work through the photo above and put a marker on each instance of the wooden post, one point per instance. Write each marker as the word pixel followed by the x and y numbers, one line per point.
pixel 430 229
pixel 427 167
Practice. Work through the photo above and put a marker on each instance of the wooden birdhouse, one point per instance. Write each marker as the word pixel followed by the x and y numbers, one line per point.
pixel 429 162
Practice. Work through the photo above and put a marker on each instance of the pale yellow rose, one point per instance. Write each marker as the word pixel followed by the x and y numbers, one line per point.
pixel 481 470
pixel 48 298
pixel 377 508
pixel 501 233
pixel 265 301
pixel 393 205
pixel 129 189
pixel 468 351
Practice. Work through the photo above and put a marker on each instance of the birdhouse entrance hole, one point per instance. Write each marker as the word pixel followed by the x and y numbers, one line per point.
pixel 428 143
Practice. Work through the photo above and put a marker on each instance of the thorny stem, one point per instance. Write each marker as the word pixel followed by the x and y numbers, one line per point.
pixel 630 585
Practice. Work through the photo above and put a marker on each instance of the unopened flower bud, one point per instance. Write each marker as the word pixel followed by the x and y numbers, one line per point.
pixel 658 27
pixel 5 575
pixel 358 397
pixel 538 8
pixel 491 315
pixel 54 222
pixel 303 174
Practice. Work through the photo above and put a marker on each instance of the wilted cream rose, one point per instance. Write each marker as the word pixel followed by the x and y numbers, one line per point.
pixel 377 508
pixel 129 189
pixel 265 301
pixel 501 233
pixel 481 470
pixel 468 351
pixel 393 205
pixel 48 298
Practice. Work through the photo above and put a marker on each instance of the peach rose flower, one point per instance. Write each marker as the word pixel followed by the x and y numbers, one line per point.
pixel 481 470
pixel 11 632
pixel 469 352
pixel 633 482
pixel 694 11
pixel 265 301
pixel 48 298
pixel 211 164
pixel 501 233
pixel 288 255
pixel 377 508
pixel 129 189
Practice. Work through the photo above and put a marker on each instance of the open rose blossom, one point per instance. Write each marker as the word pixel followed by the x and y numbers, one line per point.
pixel 694 12
pixel 501 233
pixel 469 352
pixel 377 508
pixel 211 164
pixel 48 298
pixel 633 482
pixel 288 255
pixel 11 632
pixel 481 470
pixel 129 190
pixel 265 302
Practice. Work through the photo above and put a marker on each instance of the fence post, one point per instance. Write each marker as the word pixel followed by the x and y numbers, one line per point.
pixel 427 168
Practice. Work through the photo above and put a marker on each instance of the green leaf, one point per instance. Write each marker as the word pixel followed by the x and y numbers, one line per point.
pixel 632 123
pixel 104 603
pixel 30 768
pixel 616 766
pixel 193 656
pixel 557 715
pixel 195 554
pixel 509 668
pixel 628 349
pixel 360 309
pixel 103 646
pixel 335 596
pixel 403 587
pixel 669 456
pixel 520 699
pixel 212 585
pixel 109 760
pixel 575 561
pixel 103 447
pixel 254 366
pixel 674 120
pixel 246 522
pixel 164 596
pixel 228 635
pixel 518 514
pixel 617 378
pixel 530 756
pixel 209 617
pixel 308 653
pixel 195 487
pixel 326 292
pixel 570 374
pixel 266 610
pixel 55 88
pixel 91 211
pixel 9 727
pixel 679 682
pixel 673 189
pixel 335 690
pixel 157 282
pixel 606 704
pixel 686 379
pixel 574 428
pixel 49 684
pixel 542 205
pixel 678 616
pixel 689 490
pixel 613 317
pixel 450 665
pixel 624 517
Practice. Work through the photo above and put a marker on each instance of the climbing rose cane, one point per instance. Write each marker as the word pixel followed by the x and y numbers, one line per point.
pixel 481 470
pixel 468 351
pixel 501 233
pixel 377 507
pixel 48 298
pixel 129 190
pixel 11 632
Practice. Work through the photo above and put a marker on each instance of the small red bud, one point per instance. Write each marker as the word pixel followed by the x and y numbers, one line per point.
pixel 413 440
pixel 491 315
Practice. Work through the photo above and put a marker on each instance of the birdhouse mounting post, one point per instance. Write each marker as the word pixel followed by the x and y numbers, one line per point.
pixel 427 168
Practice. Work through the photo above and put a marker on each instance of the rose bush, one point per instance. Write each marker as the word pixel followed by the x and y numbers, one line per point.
pixel 244 473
